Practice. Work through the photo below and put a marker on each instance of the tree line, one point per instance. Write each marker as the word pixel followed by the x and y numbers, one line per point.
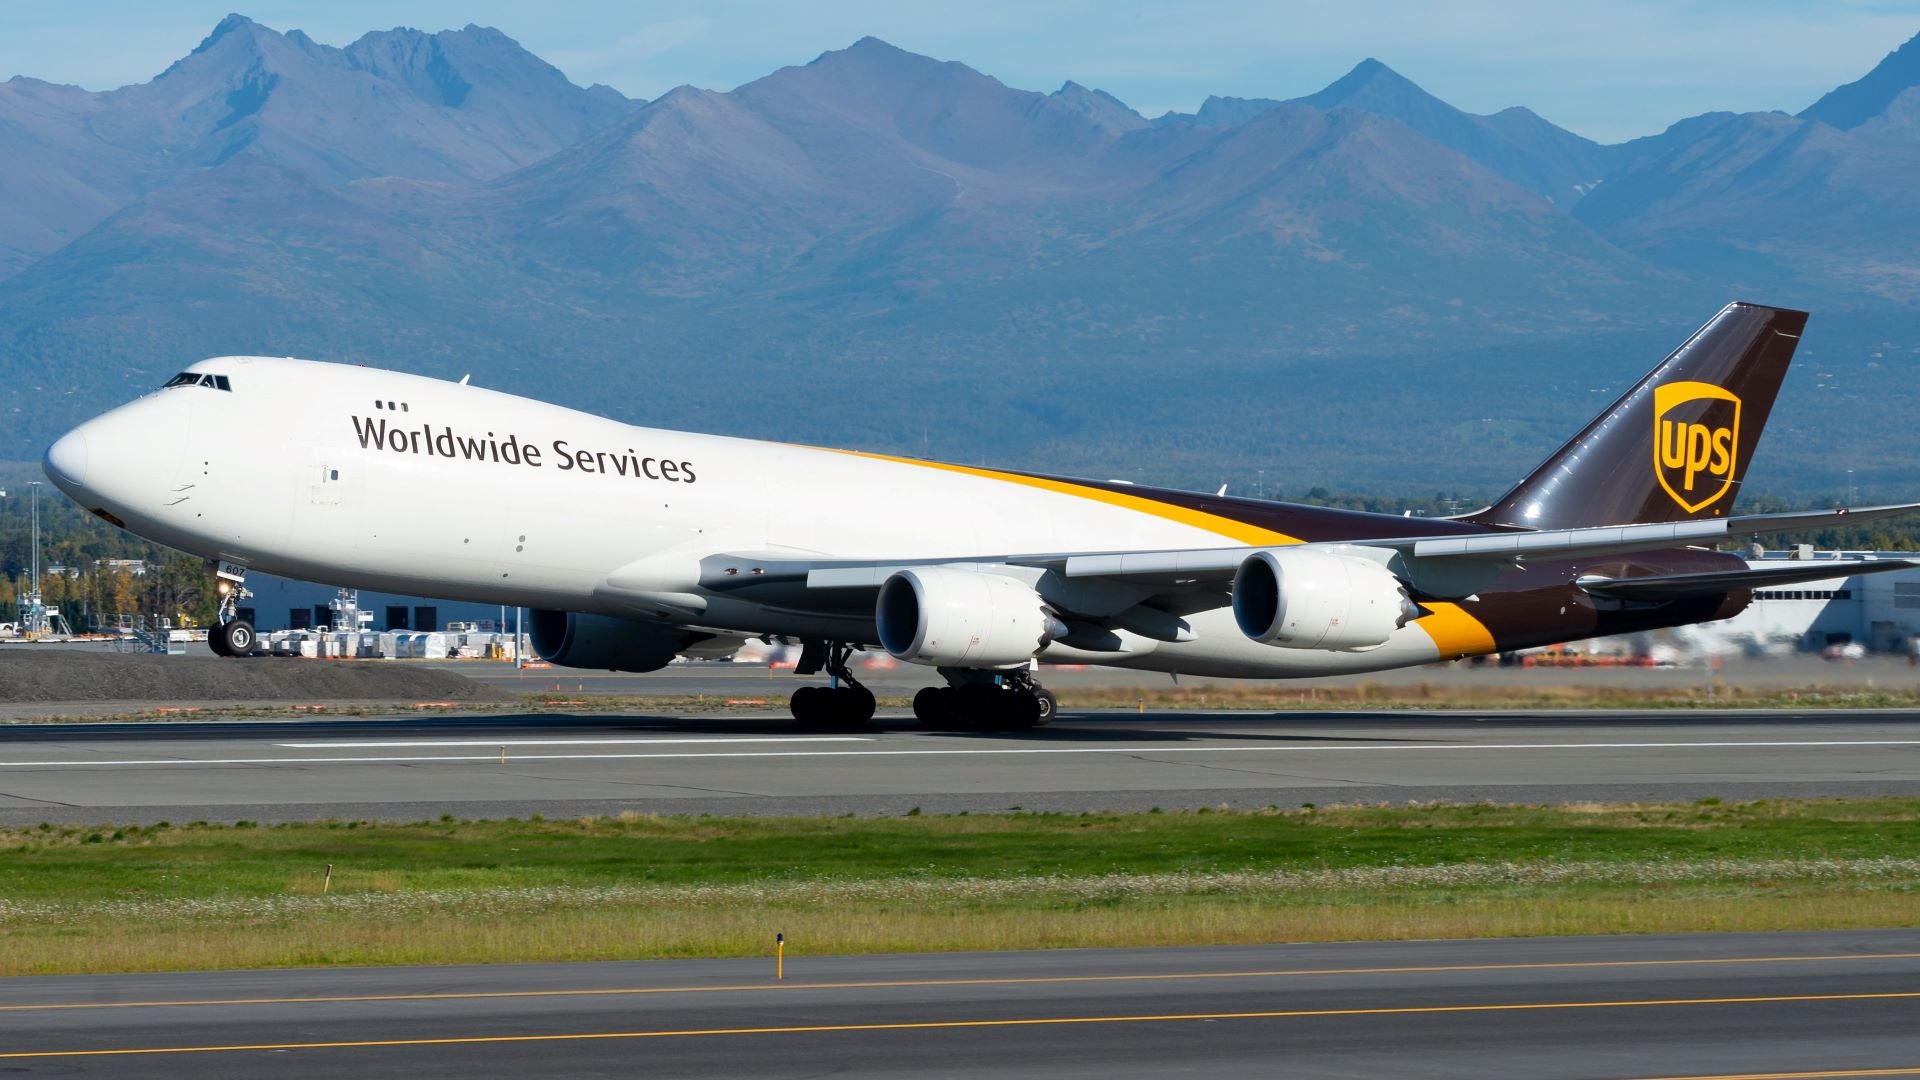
pixel 78 575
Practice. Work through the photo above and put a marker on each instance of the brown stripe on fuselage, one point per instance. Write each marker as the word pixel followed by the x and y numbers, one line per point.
pixel 1250 521
pixel 1308 524
pixel 1538 604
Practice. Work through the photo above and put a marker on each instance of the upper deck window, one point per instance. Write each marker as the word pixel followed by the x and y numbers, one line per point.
pixel 198 378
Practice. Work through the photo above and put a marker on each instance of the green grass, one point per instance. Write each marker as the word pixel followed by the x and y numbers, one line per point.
pixel 202 861
pixel 187 896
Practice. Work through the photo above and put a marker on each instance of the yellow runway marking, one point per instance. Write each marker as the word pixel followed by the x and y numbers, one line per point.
pixel 894 984
pixel 1812 1074
pixel 948 1025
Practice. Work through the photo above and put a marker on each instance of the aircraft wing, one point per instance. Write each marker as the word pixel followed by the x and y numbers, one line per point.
pixel 1200 577
pixel 1219 563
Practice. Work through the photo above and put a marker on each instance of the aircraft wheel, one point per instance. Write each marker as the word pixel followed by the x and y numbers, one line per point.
pixel 977 707
pixel 829 708
pixel 859 705
pixel 1018 710
pixel 805 706
pixel 236 638
pixel 1049 705
pixel 933 706
pixel 217 641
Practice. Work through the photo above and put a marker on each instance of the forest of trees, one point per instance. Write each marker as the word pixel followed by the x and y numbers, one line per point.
pixel 76 554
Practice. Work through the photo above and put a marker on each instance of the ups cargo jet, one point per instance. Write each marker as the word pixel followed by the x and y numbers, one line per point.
pixel 634 545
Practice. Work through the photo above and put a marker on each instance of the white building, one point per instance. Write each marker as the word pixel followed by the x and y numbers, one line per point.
pixel 1879 611
pixel 284 604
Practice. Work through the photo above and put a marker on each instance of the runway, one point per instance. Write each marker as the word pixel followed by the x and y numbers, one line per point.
pixel 1750 1005
pixel 415 768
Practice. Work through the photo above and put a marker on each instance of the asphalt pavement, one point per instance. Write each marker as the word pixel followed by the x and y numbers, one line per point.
pixel 1746 1005
pixel 414 768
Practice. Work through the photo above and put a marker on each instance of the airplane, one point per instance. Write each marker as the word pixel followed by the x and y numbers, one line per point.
pixel 634 545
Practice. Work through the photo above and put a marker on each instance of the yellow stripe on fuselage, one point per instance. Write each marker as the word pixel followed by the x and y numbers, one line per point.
pixel 1454 632
pixel 1199 519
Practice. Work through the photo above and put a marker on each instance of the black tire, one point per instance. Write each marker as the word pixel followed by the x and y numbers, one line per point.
pixel 832 708
pixel 1049 705
pixel 860 705
pixel 1019 710
pixel 217 641
pixel 933 706
pixel 804 705
pixel 236 637
pixel 977 707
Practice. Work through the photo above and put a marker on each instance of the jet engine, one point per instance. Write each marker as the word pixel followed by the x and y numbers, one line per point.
pixel 573 639
pixel 959 618
pixel 1309 599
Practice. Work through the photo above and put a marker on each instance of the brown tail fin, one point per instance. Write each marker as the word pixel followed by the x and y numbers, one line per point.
pixel 1676 446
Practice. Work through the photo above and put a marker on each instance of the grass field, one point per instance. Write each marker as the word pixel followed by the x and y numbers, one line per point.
pixel 199 896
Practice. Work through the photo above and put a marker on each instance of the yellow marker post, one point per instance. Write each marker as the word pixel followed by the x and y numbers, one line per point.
pixel 503 755
pixel 326 882
pixel 779 957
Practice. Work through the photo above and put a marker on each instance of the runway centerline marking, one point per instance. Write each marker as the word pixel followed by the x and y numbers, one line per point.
pixel 949 1025
pixel 896 984
pixel 399 744
pixel 963 752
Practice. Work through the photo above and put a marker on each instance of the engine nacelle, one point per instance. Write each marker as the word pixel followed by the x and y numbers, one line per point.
pixel 573 639
pixel 959 618
pixel 1309 599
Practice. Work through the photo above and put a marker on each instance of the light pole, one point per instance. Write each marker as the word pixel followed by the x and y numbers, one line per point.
pixel 35 619
pixel 35 606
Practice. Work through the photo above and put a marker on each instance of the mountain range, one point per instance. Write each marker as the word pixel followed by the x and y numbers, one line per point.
pixel 887 250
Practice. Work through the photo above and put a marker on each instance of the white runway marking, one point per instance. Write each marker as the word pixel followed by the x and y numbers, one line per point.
pixel 957 752
pixel 394 744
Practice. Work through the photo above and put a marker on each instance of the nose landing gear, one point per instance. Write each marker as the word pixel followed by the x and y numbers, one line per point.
pixel 231 634
pixel 844 704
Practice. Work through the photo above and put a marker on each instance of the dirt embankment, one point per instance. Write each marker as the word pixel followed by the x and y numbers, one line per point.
pixel 35 674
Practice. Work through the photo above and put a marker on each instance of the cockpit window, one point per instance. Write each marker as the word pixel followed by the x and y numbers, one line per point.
pixel 196 378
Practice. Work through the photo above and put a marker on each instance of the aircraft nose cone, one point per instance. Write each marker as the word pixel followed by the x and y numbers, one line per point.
pixel 66 460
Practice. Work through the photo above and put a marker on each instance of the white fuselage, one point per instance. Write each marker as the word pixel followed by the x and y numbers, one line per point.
pixel 378 479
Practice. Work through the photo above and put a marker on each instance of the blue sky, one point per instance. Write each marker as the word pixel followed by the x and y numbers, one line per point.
pixel 1609 70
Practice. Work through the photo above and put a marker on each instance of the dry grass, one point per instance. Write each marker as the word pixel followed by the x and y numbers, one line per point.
pixel 1280 697
pixel 637 932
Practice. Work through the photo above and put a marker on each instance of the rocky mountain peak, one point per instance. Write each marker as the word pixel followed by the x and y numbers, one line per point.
pixel 1847 107
pixel 1099 106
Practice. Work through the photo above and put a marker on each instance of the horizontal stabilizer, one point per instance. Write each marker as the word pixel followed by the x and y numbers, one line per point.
pixel 1663 587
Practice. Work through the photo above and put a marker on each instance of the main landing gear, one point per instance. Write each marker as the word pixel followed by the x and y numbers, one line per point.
pixel 231 635
pixel 842 704
pixel 985 701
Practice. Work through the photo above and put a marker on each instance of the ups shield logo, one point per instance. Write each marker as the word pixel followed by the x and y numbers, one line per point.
pixel 1696 441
